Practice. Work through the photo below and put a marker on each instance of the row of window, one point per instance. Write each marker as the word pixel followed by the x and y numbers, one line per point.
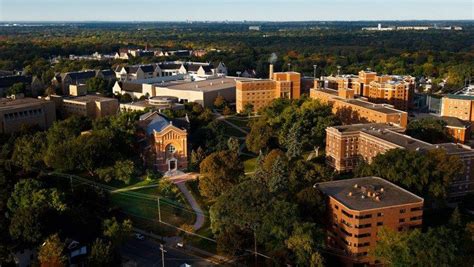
pixel 22 114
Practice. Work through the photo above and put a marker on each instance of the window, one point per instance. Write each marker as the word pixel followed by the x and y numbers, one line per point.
pixel 403 210
pixel 379 223
pixel 401 220
pixel 380 214
pixel 416 218
pixel 367 216
pixel 347 214
pixel 366 244
pixel 363 226
pixel 416 209
pixel 171 149
pixel 362 235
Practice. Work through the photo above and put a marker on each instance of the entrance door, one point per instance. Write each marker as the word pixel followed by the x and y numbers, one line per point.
pixel 172 165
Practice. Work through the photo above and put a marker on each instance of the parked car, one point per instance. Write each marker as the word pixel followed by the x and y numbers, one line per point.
pixel 139 236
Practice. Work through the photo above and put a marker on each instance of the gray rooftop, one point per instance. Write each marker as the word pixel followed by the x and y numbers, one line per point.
pixel 383 108
pixel 365 126
pixel 360 193
pixel 89 98
pixel 7 103
pixel 399 139
pixel 201 86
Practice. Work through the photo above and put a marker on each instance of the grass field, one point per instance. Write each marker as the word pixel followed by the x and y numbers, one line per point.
pixel 250 163
pixel 242 122
pixel 231 131
pixel 143 204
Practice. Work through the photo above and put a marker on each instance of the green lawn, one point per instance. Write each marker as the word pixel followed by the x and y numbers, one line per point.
pixel 249 163
pixel 144 206
pixel 231 131
pixel 242 122
pixel 142 183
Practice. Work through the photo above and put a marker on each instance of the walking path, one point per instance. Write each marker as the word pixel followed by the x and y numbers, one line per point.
pixel 222 118
pixel 180 181
pixel 194 205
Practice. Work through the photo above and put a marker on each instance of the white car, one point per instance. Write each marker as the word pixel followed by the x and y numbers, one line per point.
pixel 180 245
pixel 139 236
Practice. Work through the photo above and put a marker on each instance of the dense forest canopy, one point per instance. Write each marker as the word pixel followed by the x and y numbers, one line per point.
pixel 434 53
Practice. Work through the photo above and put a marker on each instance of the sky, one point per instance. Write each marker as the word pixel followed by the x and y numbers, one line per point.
pixel 234 10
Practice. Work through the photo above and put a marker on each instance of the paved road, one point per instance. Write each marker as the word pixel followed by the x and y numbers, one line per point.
pixel 147 253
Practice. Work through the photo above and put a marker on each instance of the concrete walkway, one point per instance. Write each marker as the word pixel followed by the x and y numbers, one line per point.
pixel 180 180
pixel 194 205
pixel 223 118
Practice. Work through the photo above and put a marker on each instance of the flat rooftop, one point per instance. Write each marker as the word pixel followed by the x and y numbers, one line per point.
pixel 202 86
pixel 364 126
pixel 383 108
pixel 7 103
pixel 329 91
pixel 89 98
pixel 360 193
pixel 399 139
pixel 452 148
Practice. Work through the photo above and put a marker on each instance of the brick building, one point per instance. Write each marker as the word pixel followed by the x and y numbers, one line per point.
pixel 260 93
pixel 347 145
pixel 459 130
pixel 458 106
pixel 17 113
pixel 91 106
pixel 351 110
pixel 165 146
pixel 388 89
pixel 357 208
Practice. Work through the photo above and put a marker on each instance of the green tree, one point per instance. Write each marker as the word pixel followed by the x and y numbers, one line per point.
pixel 29 150
pixel 101 254
pixel 197 156
pixel 29 193
pixel 233 144
pixel 51 253
pixel 227 111
pixel 97 85
pixel 293 142
pixel 248 109
pixel 437 247
pixel 31 207
pixel 261 136
pixel 278 177
pixel 428 174
pixel 17 88
pixel 429 130
pixel 305 240
pixel 219 102
pixel 219 172
pixel 124 170
pixel 117 232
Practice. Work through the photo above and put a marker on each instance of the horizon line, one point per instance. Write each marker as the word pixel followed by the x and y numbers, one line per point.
pixel 243 20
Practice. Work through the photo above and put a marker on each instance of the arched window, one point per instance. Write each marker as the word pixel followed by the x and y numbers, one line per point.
pixel 171 149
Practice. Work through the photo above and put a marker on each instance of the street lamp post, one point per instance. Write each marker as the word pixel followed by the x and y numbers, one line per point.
pixel 159 209
pixel 162 255
pixel 315 67
pixel 289 66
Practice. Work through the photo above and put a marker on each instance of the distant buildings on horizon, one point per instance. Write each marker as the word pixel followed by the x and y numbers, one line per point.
pixel 412 28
